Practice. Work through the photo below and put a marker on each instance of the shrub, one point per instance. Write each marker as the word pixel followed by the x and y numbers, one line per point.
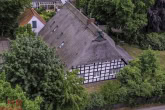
pixel 96 101
pixel 142 80
pixel 154 40
pixel 112 93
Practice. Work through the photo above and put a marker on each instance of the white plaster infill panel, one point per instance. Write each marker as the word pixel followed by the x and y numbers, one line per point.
pixel 40 25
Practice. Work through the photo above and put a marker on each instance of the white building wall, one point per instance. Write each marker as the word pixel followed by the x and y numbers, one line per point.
pixel 40 25
pixel 64 1
pixel 100 71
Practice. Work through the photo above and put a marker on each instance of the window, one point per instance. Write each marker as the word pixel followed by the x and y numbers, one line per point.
pixel 96 74
pixel 55 29
pixel 62 44
pixel 34 24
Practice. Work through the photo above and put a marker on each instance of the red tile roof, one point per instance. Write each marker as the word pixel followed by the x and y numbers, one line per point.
pixel 27 16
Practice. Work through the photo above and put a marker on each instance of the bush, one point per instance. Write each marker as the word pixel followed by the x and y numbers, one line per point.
pixel 142 80
pixel 22 30
pixel 44 14
pixel 96 101
pixel 154 40
pixel 112 93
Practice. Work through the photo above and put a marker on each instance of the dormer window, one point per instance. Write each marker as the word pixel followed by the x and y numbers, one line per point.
pixel 62 44
pixel 34 24
pixel 55 28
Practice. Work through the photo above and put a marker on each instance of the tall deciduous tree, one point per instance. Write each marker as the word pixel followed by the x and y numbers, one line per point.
pixel 10 11
pixel 128 15
pixel 37 69
pixel 75 94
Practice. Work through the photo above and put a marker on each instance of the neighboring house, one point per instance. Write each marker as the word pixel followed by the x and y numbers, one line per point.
pixel 4 46
pixel 49 5
pixel 30 16
pixel 82 45
pixel 71 1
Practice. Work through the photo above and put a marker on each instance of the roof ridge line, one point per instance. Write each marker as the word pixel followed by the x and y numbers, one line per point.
pixel 31 9
pixel 37 15
pixel 84 19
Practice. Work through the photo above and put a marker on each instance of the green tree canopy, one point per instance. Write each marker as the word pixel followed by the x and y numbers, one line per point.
pixel 10 11
pixel 143 79
pixel 37 69
pixel 128 15
pixel 7 94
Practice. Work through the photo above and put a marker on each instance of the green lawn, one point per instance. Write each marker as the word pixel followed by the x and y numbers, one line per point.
pixel 135 52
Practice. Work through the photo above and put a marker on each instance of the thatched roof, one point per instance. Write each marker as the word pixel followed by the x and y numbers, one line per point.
pixel 78 42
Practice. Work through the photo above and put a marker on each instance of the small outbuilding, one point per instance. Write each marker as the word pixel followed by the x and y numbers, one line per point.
pixel 82 45
pixel 30 16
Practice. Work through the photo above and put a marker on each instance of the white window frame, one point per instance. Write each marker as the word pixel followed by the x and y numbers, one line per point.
pixel 96 74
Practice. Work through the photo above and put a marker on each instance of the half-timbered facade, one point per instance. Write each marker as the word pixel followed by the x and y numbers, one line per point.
pixel 100 71
pixel 82 45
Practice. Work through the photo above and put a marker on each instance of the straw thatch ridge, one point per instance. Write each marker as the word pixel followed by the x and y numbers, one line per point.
pixel 77 42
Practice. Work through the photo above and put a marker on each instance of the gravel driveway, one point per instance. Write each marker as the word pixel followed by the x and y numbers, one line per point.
pixel 154 108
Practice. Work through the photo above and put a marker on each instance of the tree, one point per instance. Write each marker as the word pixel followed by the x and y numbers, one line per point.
pixel 37 69
pixel 78 4
pixel 10 11
pixel 75 94
pixel 143 79
pixel 9 94
pixel 84 5
pixel 130 16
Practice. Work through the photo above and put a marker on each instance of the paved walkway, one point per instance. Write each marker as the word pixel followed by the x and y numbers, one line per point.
pixel 154 108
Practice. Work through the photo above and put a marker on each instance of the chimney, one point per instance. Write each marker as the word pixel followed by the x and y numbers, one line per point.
pixel 91 20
